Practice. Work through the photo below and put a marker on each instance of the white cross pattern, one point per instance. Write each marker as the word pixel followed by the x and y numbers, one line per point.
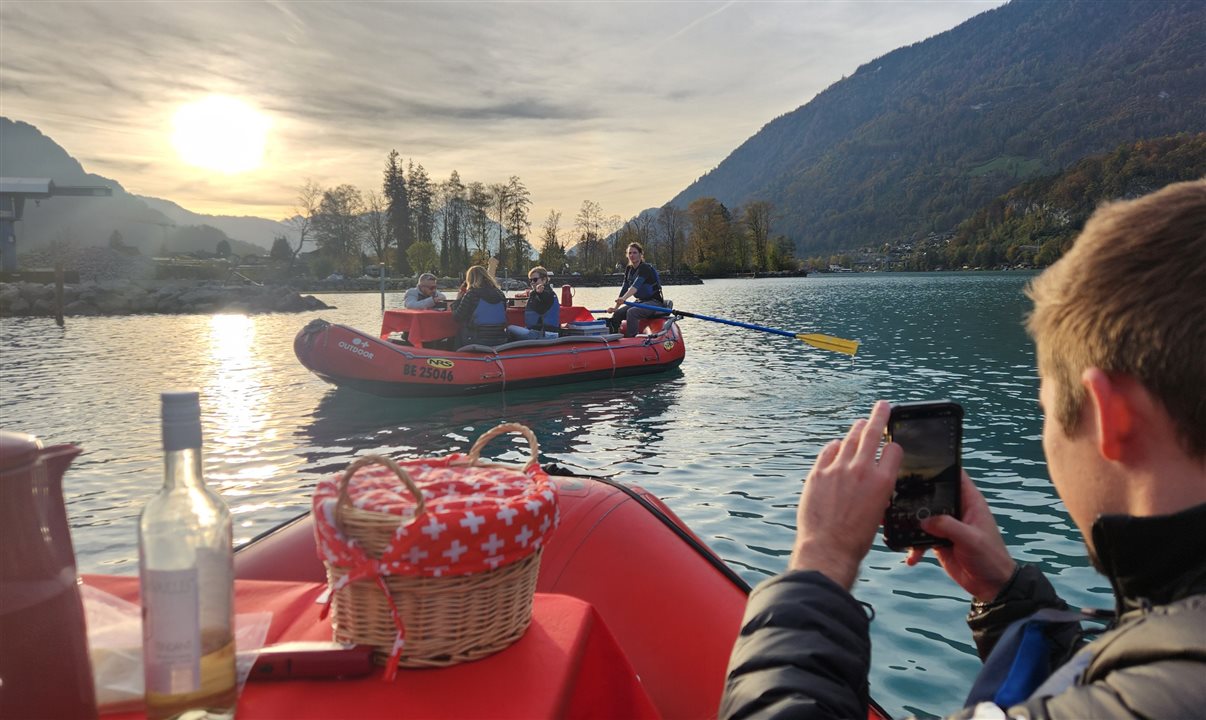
pixel 544 524
pixel 472 500
pixel 455 551
pixel 524 536
pixel 533 506
pixel 506 514
pixel 434 528
pixel 415 554
pixel 473 522
pixel 548 495
pixel 493 545
pixel 493 561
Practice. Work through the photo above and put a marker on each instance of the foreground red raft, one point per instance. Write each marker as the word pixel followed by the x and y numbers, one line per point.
pixel 388 365
pixel 670 606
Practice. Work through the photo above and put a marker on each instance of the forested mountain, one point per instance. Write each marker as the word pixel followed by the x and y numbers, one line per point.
pixel 923 137
pixel 92 221
pixel 1037 220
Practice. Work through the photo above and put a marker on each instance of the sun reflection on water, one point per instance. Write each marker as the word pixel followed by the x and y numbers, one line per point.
pixel 236 397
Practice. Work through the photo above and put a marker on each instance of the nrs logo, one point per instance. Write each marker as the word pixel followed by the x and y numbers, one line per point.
pixel 669 344
pixel 440 363
pixel 358 346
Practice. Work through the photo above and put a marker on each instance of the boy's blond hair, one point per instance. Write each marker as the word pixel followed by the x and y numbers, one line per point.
pixel 1129 297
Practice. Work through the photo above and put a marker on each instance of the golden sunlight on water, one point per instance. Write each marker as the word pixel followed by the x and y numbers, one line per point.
pixel 235 394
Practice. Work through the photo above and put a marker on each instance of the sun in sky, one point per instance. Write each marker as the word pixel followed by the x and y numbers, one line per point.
pixel 220 133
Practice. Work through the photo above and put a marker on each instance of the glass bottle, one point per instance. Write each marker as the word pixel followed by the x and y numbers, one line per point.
pixel 186 564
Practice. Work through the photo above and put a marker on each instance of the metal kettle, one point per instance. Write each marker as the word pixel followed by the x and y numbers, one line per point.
pixel 44 667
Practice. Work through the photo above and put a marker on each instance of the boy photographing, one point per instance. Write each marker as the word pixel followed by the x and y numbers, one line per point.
pixel 1119 325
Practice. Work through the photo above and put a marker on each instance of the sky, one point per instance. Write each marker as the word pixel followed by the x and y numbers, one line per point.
pixel 623 104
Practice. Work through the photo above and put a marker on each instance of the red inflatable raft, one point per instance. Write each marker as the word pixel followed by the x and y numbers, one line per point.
pixel 656 591
pixel 391 366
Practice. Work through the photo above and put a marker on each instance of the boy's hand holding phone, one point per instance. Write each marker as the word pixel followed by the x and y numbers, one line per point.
pixel 843 500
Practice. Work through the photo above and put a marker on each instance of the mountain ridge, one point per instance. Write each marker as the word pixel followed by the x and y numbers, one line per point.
pixel 922 137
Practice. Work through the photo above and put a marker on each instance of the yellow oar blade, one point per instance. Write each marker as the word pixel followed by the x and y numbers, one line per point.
pixel 829 342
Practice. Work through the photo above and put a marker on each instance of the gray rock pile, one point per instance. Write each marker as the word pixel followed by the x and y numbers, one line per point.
pixel 125 297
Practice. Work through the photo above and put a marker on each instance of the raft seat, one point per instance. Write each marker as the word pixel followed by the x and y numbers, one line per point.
pixel 519 344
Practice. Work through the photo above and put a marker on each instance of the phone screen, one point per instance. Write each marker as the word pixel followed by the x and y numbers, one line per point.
pixel 928 481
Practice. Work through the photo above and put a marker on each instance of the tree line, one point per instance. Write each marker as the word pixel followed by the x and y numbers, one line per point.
pixel 413 224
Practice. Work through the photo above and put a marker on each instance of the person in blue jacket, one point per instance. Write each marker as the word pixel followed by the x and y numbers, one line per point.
pixel 542 314
pixel 481 310
pixel 641 282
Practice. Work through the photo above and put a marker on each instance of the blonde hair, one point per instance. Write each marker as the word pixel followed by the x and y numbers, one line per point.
pixel 1130 297
pixel 478 277
pixel 538 270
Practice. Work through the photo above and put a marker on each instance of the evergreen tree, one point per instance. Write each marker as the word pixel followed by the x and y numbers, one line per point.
pixel 397 202
pixel 552 252
pixel 518 225
pixel 282 251
pixel 422 202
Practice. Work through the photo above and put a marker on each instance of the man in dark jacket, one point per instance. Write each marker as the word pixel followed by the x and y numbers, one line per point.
pixel 1120 328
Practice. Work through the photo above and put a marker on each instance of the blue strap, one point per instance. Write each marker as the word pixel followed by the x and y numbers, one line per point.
pixel 1022 659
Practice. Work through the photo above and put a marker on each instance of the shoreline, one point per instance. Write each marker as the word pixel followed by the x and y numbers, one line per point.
pixel 123 297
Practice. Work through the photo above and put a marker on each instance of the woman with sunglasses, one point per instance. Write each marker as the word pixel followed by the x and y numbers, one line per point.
pixel 542 313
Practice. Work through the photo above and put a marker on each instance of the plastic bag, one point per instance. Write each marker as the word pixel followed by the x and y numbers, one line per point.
pixel 115 645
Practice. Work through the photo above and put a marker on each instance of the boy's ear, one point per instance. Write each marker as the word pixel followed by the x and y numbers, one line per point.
pixel 1113 411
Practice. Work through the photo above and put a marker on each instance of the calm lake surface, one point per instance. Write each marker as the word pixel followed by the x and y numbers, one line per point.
pixel 725 440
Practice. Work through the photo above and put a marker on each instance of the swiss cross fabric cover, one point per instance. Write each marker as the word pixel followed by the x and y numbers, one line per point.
pixel 477 517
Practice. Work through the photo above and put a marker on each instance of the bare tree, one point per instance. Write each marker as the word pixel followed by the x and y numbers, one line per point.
pixel 588 225
pixel 309 196
pixel 672 229
pixel 377 235
pixel 500 201
pixel 338 227
pixel 757 218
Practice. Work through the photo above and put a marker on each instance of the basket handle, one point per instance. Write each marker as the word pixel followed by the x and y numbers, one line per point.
pixel 534 446
pixel 363 461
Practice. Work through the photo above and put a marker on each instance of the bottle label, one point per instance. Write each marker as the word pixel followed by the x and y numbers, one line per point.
pixel 171 626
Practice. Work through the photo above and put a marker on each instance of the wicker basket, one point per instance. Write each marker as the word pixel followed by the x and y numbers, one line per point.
pixel 446 620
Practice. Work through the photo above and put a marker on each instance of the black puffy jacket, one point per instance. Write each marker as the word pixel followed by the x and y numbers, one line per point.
pixel 804 650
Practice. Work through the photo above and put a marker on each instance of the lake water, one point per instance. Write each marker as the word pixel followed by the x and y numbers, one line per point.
pixel 725 440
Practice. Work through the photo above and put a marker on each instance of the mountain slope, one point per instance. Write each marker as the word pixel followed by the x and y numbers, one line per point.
pixel 87 221
pixel 922 137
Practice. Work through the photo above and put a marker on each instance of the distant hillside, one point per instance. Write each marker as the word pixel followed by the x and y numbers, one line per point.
pixel 919 139
pixel 1038 219
pixel 252 230
pixel 88 222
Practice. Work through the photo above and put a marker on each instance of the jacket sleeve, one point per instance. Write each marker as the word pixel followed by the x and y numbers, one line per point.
pixel 1027 592
pixel 463 307
pixel 803 652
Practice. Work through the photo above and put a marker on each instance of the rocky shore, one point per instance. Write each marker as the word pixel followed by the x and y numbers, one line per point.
pixel 126 297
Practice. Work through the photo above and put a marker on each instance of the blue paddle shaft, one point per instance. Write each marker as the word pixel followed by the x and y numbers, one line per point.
pixel 774 331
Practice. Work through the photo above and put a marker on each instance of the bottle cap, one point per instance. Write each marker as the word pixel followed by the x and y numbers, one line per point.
pixel 181 420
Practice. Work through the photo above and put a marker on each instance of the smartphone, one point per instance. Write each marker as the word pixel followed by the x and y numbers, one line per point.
pixel 931 435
